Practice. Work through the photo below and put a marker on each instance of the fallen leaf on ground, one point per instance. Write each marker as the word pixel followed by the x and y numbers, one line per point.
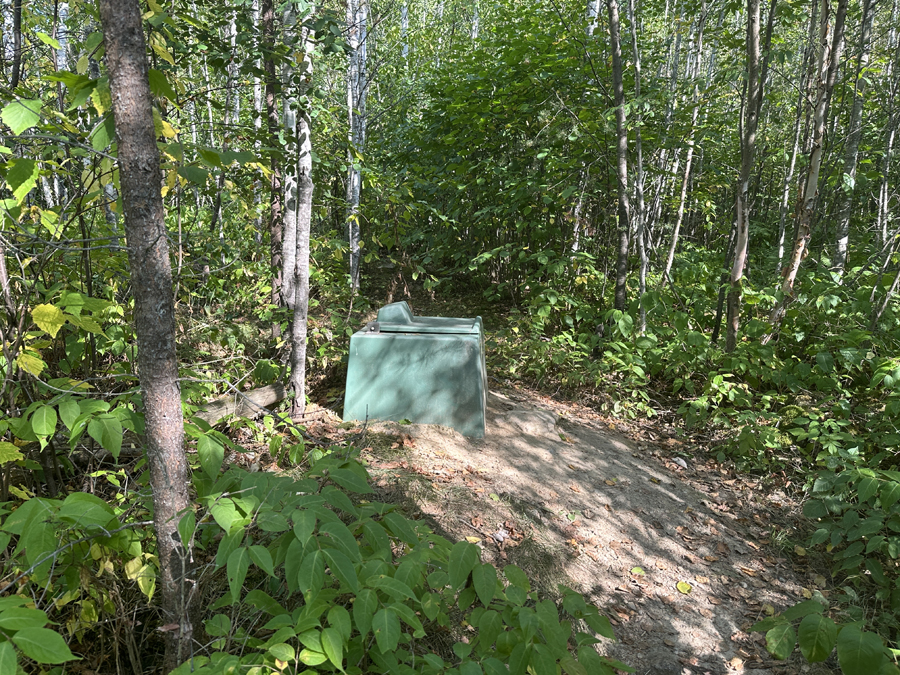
pixel 683 587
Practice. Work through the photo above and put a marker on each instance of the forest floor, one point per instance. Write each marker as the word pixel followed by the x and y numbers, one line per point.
pixel 681 553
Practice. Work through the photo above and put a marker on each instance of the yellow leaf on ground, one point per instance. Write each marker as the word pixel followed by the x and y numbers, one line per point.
pixel 683 587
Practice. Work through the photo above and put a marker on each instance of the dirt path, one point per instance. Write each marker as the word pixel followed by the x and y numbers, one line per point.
pixel 677 554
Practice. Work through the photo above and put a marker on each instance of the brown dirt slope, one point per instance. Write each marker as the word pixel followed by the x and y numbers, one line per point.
pixel 678 553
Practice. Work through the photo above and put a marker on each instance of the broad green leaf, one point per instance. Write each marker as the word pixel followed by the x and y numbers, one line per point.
pixel 339 618
pixel 22 176
pixel 386 626
pixel 48 318
pixel 43 645
pixel 394 588
pixel 517 577
pixel 304 524
pixel 341 535
pixel 484 579
pixel 18 618
pixel 817 635
pixel 263 559
pixel 780 641
pixel 890 494
pixel 333 646
pixel 194 174
pixel 401 528
pixel 236 568
pixel 342 567
pixel 43 421
pixel 311 577
pixel 187 525
pixel 7 658
pixel 350 481
pixel 802 609
pixel 21 115
pixel 310 658
pixel 212 454
pixel 47 40
pixel 160 87
pixel 69 412
pixel 282 651
pixel 866 488
pixel 82 509
pixel 263 602
pixel 9 453
pixel 364 609
pixel 107 431
pixel 859 653
pixel 463 558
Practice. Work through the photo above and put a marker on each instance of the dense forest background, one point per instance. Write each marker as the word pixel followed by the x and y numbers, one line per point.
pixel 672 208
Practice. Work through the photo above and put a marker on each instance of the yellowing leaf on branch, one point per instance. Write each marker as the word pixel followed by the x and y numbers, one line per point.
pixel 48 318
pixel 9 453
pixel 30 363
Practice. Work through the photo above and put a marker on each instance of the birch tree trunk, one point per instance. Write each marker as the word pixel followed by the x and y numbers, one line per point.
pixel 592 14
pixel 154 313
pixel 826 75
pixel 300 302
pixel 624 224
pixel 357 86
pixel 291 165
pixel 852 148
pixel 749 123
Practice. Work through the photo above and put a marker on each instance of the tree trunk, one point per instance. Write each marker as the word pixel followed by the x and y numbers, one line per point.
pixel 267 21
pixel 852 148
pixel 304 219
pixel 17 44
pixel 749 123
pixel 829 60
pixel 621 291
pixel 592 14
pixel 357 86
pixel 154 312
pixel 639 174
pixel 291 166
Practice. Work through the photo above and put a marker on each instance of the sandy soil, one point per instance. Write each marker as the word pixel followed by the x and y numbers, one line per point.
pixel 553 489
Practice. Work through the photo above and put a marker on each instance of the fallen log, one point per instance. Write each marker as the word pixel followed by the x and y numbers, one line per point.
pixel 242 404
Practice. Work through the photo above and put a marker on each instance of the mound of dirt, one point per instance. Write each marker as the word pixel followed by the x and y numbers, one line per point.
pixel 677 552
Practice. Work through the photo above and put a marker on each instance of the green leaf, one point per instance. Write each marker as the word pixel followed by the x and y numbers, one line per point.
pixel 311 658
pixel 817 635
pixel 463 558
pixel 350 481
pixel 7 658
pixel 802 609
pixel 484 578
pixel 9 453
pixel 333 646
pixel 186 527
pixel 160 87
pixel 890 494
pixel 30 363
pixel 69 412
pixel 394 588
pixel 263 602
pixel 282 651
pixel 364 609
pixel 43 421
pixel 22 176
pixel 517 577
pixel 431 605
pixel 386 626
pixel 341 535
pixel 780 641
pixel 106 429
pixel 342 567
pixel 339 618
pixel 212 454
pixel 43 645
pixel 263 559
pixel 311 577
pixel 859 653
pixel 401 528
pixel 19 618
pixel 236 568
pixel 21 115
pixel 82 509
pixel 867 487
pixel 194 174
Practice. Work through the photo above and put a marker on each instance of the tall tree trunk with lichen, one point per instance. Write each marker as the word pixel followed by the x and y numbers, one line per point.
pixel 154 313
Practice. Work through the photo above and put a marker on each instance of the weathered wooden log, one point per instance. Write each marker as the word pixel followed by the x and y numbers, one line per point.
pixel 245 404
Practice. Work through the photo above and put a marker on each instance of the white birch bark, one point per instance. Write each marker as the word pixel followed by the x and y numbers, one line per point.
pixel 291 165
pixel 357 86
pixel 592 14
